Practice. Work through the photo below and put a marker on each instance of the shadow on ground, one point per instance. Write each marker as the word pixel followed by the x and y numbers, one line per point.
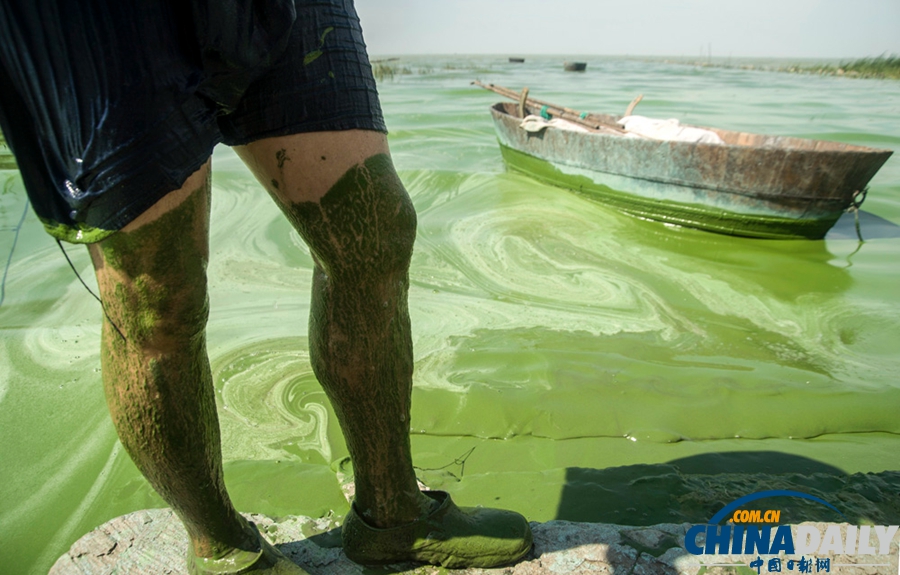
pixel 693 489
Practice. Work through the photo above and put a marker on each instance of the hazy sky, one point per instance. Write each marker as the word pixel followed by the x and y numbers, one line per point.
pixel 738 28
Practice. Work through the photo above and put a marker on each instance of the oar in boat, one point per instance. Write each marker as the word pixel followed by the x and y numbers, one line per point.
pixel 569 114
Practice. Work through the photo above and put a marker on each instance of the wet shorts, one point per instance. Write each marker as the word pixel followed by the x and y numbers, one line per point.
pixel 109 106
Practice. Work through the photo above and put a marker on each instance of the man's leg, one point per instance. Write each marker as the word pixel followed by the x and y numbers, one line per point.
pixel 340 191
pixel 156 375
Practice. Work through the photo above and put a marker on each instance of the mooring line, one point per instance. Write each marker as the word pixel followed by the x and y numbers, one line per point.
pixel 96 297
pixel 11 252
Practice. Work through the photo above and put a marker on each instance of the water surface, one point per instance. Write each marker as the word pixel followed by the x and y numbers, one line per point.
pixel 567 356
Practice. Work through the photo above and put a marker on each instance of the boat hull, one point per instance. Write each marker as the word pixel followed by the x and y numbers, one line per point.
pixel 574 66
pixel 779 188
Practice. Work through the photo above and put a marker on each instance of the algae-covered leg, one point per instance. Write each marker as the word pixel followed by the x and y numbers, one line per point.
pixel 340 191
pixel 156 375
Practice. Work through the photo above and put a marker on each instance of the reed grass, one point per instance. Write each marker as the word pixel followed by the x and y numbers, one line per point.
pixel 387 69
pixel 883 66
pixel 391 68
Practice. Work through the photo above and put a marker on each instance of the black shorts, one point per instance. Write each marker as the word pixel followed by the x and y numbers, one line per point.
pixel 108 106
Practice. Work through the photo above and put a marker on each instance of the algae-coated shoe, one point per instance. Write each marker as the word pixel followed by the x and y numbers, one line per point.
pixel 267 561
pixel 450 536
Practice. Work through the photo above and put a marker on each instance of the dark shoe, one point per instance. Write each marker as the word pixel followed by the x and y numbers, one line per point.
pixel 268 561
pixel 450 536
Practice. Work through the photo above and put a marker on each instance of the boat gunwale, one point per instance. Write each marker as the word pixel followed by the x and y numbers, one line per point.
pixel 777 142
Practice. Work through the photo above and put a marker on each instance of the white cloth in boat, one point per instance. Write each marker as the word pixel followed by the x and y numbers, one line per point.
pixel 634 126
pixel 670 130
pixel 537 123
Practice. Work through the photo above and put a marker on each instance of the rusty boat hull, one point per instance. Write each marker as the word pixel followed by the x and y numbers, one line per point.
pixel 752 185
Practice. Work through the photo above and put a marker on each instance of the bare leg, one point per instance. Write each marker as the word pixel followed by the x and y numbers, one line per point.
pixel 156 375
pixel 340 191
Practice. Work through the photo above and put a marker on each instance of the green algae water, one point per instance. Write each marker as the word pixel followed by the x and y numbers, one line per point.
pixel 571 362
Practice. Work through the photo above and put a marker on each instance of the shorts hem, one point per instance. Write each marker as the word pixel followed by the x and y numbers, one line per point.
pixel 361 123
pixel 77 234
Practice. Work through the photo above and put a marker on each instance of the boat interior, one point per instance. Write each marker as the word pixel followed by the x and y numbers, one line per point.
pixel 608 124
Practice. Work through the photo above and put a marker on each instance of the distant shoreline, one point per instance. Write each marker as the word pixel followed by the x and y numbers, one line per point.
pixel 881 67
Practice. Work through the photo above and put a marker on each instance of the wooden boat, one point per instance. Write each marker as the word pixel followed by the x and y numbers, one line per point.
pixel 750 185
pixel 574 66
pixel 516 60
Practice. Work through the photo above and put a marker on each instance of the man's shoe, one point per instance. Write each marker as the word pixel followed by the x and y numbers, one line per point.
pixel 449 536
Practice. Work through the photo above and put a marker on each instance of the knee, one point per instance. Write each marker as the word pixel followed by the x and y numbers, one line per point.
pixel 392 228
pixel 365 223
pixel 151 314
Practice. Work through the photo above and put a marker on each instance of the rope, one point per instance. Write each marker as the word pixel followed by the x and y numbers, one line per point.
pixel 11 251
pixel 461 461
pixel 854 207
pixel 861 194
pixel 96 297
pixel 544 113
